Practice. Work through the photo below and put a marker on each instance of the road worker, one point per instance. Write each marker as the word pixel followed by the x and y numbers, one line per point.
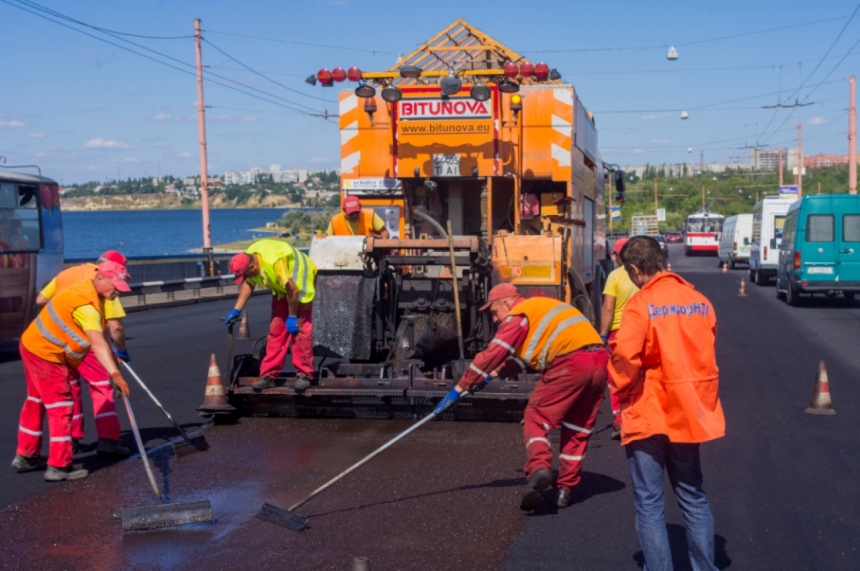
pixel 616 292
pixel 290 275
pixel 90 371
pixel 53 346
pixel 353 221
pixel 664 373
pixel 555 339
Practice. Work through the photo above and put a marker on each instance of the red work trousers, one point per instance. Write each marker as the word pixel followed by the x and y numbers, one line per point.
pixel 101 391
pixel 568 395
pixel 279 341
pixel 613 400
pixel 48 389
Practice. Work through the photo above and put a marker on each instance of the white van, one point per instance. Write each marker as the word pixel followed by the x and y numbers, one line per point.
pixel 768 220
pixel 735 240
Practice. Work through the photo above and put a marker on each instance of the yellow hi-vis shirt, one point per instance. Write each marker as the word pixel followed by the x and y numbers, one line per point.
pixel 113 307
pixel 279 263
pixel 619 286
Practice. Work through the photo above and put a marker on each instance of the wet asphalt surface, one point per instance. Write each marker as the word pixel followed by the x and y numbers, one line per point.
pixel 782 484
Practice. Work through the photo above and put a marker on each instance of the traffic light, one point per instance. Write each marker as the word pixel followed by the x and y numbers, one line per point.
pixel 619 187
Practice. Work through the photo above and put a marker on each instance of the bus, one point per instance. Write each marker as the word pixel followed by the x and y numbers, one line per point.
pixel 31 248
pixel 702 232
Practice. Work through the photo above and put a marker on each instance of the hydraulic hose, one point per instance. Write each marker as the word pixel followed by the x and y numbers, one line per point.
pixel 427 217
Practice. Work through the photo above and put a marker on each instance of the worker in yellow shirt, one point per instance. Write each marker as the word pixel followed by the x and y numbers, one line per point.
pixel 290 275
pixel 90 371
pixel 70 326
pixel 353 221
pixel 619 288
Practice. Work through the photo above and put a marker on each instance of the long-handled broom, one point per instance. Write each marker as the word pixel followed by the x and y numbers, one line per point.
pixel 191 444
pixel 164 515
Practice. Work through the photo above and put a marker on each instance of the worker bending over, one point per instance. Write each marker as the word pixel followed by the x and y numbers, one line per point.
pixel 664 373
pixel 555 339
pixel 353 221
pixel 290 275
pixel 616 292
pixel 96 377
pixel 53 346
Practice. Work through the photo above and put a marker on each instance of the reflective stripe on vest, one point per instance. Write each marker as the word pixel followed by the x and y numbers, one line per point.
pixel 270 252
pixel 50 337
pixel 555 328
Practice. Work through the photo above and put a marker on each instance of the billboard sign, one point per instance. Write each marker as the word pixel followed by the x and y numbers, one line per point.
pixel 616 213
pixel 788 191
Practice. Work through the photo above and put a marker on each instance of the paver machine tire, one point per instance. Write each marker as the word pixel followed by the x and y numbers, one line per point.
pixel 579 295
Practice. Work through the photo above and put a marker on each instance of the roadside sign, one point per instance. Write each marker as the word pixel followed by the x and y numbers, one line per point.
pixel 616 213
pixel 788 191
pixel 371 184
pixel 661 215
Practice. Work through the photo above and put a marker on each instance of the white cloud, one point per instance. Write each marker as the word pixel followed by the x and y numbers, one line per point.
pixel 652 116
pixel 817 121
pixel 12 124
pixel 320 160
pixel 104 144
pixel 639 151
pixel 660 142
pixel 183 154
pixel 162 117
pixel 130 160
pixel 37 136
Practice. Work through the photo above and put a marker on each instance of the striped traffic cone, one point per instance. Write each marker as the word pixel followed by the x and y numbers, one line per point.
pixel 820 401
pixel 215 398
pixel 725 268
pixel 743 290
pixel 244 330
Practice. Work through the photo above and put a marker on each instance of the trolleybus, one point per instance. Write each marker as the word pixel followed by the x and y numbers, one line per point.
pixel 702 232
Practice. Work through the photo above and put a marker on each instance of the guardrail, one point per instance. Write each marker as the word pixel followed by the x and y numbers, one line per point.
pixel 141 290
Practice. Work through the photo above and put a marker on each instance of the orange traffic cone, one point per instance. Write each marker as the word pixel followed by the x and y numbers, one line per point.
pixel 725 268
pixel 820 401
pixel 215 398
pixel 244 331
pixel 668 266
pixel 743 291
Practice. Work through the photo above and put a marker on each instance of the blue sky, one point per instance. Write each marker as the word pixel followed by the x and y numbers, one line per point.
pixel 85 110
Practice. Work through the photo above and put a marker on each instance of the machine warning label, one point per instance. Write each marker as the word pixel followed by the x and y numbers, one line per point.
pixel 455 108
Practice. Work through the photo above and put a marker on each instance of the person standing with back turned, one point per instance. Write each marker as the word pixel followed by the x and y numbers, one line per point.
pixel 664 373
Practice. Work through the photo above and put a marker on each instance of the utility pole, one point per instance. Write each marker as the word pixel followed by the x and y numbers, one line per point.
pixel 610 201
pixel 779 166
pixel 702 162
pixel 703 198
pixel 655 196
pixel 201 131
pixel 852 139
pixel 800 159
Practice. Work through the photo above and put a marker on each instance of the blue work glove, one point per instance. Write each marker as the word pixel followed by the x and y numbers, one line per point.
pixel 480 386
pixel 292 325
pixel 605 339
pixel 122 354
pixel 232 317
pixel 449 401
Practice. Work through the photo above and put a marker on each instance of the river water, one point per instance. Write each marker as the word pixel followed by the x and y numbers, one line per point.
pixel 159 232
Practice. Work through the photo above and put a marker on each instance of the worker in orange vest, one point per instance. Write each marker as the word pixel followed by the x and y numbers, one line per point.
pixel 52 347
pixel 555 339
pixel 90 371
pixel 353 221
pixel 664 373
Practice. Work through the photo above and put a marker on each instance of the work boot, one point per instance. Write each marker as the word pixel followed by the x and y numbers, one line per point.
pixel 538 482
pixel 112 448
pixel 562 498
pixel 25 463
pixel 302 383
pixel 78 446
pixel 53 474
pixel 263 383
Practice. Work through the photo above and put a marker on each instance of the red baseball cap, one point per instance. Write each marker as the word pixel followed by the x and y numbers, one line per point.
pixel 619 243
pixel 501 291
pixel 351 204
pixel 116 273
pixel 239 265
pixel 113 256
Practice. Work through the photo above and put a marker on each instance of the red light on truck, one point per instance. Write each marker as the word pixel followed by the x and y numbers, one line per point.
pixel 527 69
pixel 338 74
pixel 324 76
pixel 511 70
pixel 735 246
pixel 541 71
pixel 353 74
pixel 765 251
pixel 797 260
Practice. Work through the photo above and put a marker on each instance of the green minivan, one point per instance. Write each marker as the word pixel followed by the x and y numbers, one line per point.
pixel 820 249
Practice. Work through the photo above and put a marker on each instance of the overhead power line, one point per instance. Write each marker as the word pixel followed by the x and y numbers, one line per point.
pixel 298 43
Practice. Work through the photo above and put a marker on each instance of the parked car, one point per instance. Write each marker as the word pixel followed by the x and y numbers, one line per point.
pixel 820 249
pixel 735 240
pixel 768 221
pixel 674 237
pixel 663 246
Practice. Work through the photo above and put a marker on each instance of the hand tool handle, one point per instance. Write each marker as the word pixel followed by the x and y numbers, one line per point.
pixel 157 403
pixel 142 450
pixel 456 291
pixel 229 368
pixel 366 459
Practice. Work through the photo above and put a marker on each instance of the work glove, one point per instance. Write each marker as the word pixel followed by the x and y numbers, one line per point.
pixel 232 317
pixel 449 401
pixel 292 325
pixel 605 339
pixel 119 385
pixel 123 354
pixel 478 387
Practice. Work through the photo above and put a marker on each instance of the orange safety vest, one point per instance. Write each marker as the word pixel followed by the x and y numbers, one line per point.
pixel 53 335
pixel 340 227
pixel 555 329
pixel 75 274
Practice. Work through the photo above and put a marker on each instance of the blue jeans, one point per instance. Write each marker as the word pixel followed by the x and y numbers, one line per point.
pixel 647 459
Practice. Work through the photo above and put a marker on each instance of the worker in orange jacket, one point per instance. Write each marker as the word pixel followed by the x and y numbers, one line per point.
pixel 664 373
pixel 90 371
pixel 554 338
pixel 353 221
pixel 71 325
